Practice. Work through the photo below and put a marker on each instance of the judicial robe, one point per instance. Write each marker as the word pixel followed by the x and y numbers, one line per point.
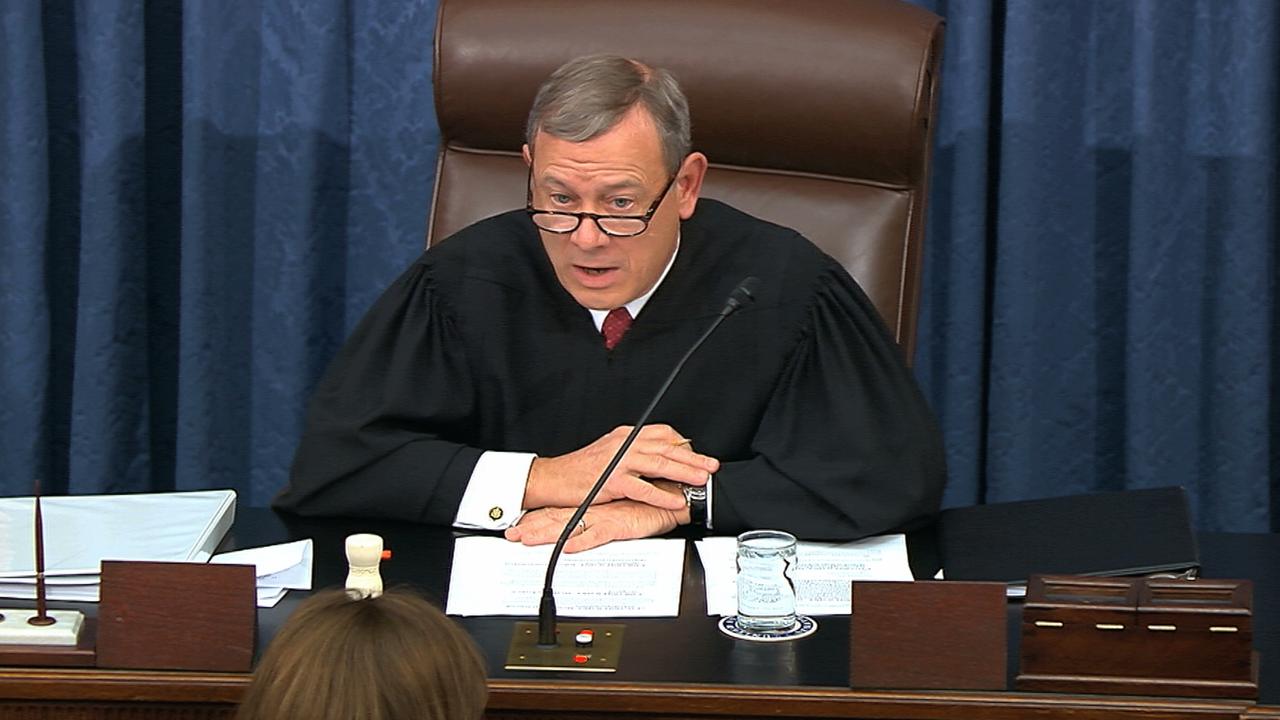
pixel 803 395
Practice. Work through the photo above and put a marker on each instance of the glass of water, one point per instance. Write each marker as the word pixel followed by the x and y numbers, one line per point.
pixel 766 590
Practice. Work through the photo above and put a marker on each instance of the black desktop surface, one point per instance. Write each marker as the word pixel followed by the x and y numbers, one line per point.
pixel 690 648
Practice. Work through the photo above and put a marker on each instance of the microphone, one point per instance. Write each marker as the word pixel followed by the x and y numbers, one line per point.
pixel 744 294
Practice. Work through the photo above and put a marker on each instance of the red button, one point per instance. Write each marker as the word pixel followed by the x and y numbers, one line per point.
pixel 581 658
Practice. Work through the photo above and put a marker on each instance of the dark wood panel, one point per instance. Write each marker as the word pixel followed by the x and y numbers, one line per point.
pixel 123 711
pixel 106 686
pixel 586 700
pixel 106 694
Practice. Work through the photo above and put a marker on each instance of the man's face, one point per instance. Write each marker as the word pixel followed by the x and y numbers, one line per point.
pixel 620 172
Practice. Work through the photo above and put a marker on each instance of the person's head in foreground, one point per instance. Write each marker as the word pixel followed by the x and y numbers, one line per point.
pixel 394 657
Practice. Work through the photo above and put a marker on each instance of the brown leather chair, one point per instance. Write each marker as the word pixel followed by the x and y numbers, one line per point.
pixel 815 114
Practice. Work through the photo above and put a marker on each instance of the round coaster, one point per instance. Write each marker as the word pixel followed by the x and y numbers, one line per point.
pixel 804 627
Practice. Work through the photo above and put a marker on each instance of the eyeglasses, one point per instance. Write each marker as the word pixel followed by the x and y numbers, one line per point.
pixel 562 222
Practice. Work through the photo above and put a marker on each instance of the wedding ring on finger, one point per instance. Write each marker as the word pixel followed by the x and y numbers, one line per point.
pixel 582 525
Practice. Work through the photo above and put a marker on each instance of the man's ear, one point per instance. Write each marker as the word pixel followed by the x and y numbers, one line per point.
pixel 689 183
pixel 528 156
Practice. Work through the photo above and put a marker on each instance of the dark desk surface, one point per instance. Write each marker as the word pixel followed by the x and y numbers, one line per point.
pixel 671 667
pixel 690 648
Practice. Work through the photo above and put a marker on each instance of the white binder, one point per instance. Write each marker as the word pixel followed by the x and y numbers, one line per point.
pixel 80 531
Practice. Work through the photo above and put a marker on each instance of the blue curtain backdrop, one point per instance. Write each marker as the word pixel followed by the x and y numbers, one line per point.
pixel 199 200
pixel 1100 304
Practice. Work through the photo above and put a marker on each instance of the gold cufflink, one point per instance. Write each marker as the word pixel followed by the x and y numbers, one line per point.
pixel 495 513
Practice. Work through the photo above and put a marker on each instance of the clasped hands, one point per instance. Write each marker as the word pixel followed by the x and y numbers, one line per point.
pixel 641 498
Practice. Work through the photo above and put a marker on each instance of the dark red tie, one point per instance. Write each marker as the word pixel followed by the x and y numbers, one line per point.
pixel 615 326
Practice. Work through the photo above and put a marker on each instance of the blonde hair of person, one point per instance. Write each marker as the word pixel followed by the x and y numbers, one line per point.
pixel 392 657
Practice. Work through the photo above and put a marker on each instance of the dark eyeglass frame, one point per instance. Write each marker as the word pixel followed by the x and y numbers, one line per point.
pixel 595 217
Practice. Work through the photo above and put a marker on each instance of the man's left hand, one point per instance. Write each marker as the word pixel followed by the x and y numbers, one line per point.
pixel 617 520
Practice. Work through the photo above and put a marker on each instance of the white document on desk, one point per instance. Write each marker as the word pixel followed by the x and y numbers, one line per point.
pixel 629 578
pixel 823 575
pixel 278 568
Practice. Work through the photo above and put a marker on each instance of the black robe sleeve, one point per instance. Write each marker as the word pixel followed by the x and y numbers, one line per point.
pixel 386 426
pixel 847 446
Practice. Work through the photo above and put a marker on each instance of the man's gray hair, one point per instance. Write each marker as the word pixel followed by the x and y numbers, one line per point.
pixel 587 96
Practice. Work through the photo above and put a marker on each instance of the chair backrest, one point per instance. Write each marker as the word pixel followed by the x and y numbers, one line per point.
pixel 815 114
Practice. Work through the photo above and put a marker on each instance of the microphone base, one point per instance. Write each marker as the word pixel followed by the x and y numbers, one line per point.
pixel 601 656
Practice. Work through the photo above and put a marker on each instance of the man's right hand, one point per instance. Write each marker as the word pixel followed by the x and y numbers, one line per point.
pixel 659 452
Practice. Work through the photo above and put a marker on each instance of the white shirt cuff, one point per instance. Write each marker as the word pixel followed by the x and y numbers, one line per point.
pixel 495 493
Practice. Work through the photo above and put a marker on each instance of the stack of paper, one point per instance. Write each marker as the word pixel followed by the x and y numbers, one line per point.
pixel 83 530
pixel 626 578
pixel 641 578
pixel 279 568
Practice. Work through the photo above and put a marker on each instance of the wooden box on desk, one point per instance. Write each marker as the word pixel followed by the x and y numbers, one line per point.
pixel 928 635
pixel 177 616
pixel 1143 636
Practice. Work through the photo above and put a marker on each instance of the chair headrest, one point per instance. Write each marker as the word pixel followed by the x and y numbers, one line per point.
pixel 809 86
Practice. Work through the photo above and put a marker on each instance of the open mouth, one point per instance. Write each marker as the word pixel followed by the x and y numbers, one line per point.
pixel 595 277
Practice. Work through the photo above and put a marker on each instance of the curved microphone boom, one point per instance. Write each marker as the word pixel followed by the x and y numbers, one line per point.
pixel 743 295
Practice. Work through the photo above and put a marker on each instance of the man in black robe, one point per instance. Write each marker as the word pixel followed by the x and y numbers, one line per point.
pixel 491 383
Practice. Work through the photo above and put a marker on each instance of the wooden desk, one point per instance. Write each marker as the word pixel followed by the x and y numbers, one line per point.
pixel 671 668
pixel 32 694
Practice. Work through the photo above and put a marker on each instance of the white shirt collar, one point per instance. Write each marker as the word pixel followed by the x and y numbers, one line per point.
pixel 635 306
